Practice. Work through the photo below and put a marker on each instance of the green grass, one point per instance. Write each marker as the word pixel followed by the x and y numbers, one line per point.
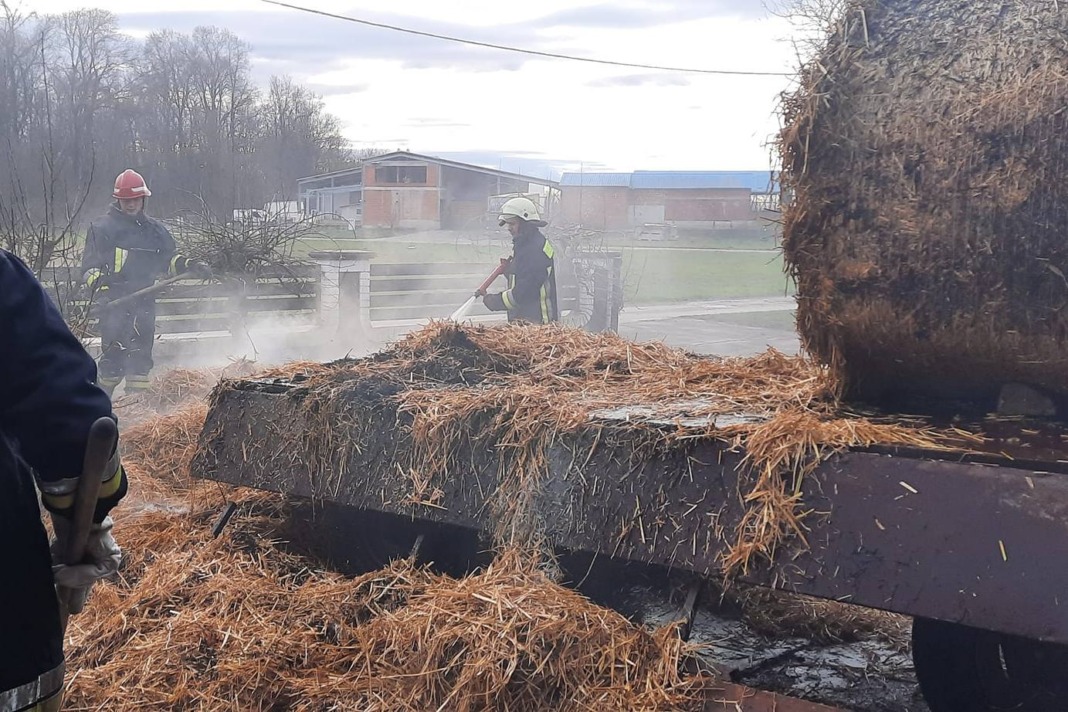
pixel 740 238
pixel 674 276
pixel 655 273
pixel 398 249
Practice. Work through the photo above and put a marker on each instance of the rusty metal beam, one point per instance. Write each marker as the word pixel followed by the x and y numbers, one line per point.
pixel 970 543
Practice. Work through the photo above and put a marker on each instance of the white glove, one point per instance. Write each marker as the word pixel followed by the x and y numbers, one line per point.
pixel 102 558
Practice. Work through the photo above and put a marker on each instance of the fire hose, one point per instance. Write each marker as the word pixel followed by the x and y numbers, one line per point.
pixel 481 291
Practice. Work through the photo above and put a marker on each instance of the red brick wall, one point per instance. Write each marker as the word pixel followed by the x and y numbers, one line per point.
pixel 402 207
pixel 698 205
pixel 609 208
pixel 377 207
pixel 597 208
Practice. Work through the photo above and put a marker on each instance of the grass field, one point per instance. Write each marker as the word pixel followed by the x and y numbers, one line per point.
pixel 654 272
pixel 652 276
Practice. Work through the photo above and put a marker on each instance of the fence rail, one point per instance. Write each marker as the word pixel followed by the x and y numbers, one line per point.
pixel 587 288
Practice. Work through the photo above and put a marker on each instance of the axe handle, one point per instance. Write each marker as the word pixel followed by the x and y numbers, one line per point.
pixel 103 435
pixel 98 450
pixel 158 286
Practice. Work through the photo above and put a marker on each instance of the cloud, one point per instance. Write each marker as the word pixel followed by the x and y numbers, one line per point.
pixel 337 89
pixel 662 79
pixel 641 15
pixel 423 122
pixel 303 43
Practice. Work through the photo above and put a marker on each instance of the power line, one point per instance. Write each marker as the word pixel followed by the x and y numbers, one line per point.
pixel 520 50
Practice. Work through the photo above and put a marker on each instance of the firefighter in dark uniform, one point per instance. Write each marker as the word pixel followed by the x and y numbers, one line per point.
pixel 126 251
pixel 50 399
pixel 531 293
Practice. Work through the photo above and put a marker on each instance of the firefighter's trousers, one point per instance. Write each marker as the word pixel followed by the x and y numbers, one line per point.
pixel 126 336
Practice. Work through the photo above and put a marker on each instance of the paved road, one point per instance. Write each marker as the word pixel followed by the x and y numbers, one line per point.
pixel 724 327
pixel 727 327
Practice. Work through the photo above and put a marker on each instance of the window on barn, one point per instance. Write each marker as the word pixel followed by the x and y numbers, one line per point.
pixel 400 175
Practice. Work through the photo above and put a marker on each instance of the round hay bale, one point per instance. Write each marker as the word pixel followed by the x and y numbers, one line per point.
pixel 924 156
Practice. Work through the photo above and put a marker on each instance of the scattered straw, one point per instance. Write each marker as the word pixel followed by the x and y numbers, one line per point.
pixel 777 614
pixel 175 388
pixel 165 445
pixel 237 623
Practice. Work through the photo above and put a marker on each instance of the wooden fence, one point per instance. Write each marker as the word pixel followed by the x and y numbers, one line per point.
pixel 228 305
pixel 588 287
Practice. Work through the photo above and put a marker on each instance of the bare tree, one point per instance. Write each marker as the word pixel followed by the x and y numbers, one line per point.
pixel 812 19
pixel 80 102
pixel 89 60
pixel 300 138
pixel 54 73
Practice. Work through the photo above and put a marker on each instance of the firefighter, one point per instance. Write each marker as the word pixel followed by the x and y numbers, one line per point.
pixel 531 293
pixel 49 400
pixel 126 251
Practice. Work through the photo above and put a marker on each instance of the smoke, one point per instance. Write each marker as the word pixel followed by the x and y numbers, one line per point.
pixel 405 295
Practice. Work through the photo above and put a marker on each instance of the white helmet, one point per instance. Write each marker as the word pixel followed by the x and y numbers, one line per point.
pixel 522 208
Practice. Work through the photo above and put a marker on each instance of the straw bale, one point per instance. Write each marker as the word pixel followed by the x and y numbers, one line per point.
pixel 924 152
pixel 450 399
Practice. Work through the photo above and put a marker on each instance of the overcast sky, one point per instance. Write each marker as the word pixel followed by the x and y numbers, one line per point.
pixel 519 112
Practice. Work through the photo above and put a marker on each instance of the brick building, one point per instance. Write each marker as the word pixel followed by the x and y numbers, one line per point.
pixel 413 191
pixel 687 199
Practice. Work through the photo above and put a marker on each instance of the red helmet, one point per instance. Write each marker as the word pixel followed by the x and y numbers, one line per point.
pixel 130 185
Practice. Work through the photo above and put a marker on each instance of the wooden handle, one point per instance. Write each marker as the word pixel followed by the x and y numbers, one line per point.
pixel 158 286
pixel 98 450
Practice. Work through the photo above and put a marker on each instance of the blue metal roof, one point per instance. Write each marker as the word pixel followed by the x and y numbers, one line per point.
pixel 756 181
pixel 596 180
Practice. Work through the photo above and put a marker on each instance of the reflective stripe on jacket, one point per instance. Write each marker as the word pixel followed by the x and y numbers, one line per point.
pixel 531 294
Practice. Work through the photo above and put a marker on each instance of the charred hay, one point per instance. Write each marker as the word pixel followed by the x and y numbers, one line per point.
pixel 450 402
pixel 924 153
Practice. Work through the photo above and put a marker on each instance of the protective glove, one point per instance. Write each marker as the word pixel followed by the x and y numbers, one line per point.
pixel 102 559
pixel 101 291
pixel 115 279
pixel 494 302
pixel 200 270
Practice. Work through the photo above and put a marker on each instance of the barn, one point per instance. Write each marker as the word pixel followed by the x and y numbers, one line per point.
pixel 404 190
pixel 684 199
